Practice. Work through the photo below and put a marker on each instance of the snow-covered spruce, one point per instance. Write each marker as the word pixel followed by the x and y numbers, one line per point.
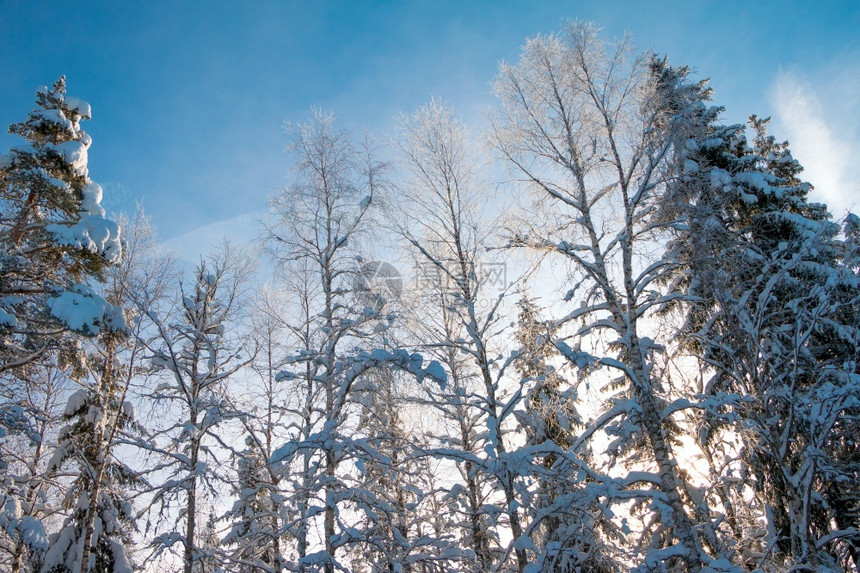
pixel 772 314
pixel 54 243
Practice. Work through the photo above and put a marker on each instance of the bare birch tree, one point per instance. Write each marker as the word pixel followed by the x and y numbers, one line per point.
pixel 197 349
pixel 322 215
pixel 461 318
pixel 584 128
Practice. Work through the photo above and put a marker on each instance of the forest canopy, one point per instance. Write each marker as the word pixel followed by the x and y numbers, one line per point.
pixel 636 352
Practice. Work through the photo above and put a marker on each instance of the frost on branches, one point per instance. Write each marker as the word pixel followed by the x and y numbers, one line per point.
pixel 195 349
pixel 54 242
pixel 585 124
pixel 340 343
pixel 773 317
pixel 684 398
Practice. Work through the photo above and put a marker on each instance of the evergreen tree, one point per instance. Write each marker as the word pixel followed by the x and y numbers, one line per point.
pixel 550 406
pixel 54 240
pixel 564 522
pixel 774 318
pixel 584 123
pixel 254 515
pixel 99 528
pixel 397 498
pixel 53 231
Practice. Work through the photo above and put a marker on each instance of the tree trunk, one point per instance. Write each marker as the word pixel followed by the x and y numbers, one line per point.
pixel 191 505
pixel 480 543
pixel 105 389
pixel 328 527
pixel 642 391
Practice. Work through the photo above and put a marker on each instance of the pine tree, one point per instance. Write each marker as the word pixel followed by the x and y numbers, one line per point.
pixel 841 469
pixel 397 496
pixel 774 318
pixel 550 406
pixel 55 242
pixel 53 231
pixel 99 528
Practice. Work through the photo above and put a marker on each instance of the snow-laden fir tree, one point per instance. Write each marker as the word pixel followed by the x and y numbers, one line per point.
pixel 398 496
pixel 774 320
pixel 564 521
pixel 98 531
pixel 551 403
pixel 843 465
pixel 254 533
pixel 55 240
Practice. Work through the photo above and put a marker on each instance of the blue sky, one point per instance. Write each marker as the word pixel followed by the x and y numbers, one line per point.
pixel 189 97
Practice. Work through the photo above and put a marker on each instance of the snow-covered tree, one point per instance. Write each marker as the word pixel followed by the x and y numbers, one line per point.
pixel 584 125
pixel 25 455
pixel 254 533
pixel 774 319
pixel 197 349
pixel 460 316
pixel 55 242
pixel 321 218
pixel 98 530
pixel 258 517
pixel 551 412
pixel 400 527
pixel 563 518
pixel 54 234
pixel 458 429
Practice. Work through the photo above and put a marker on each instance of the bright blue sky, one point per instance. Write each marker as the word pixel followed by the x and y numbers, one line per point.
pixel 185 95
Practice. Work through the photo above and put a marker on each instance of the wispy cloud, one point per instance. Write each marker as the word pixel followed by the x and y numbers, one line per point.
pixel 198 244
pixel 821 123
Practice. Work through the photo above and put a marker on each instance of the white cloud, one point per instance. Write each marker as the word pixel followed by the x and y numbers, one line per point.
pixel 819 118
pixel 201 242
